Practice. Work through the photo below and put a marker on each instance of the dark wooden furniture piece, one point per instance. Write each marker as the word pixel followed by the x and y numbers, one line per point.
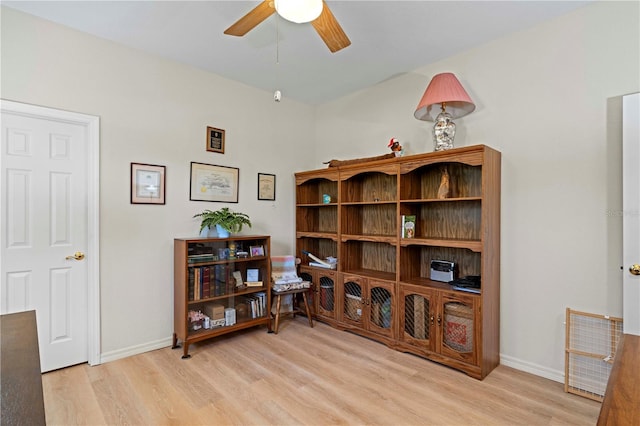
pixel 296 309
pixel 204 282
pixel 20 377
pixel 621 404
pixel 382 288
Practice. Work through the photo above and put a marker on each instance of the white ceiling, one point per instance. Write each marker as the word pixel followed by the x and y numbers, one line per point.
pixel 388 38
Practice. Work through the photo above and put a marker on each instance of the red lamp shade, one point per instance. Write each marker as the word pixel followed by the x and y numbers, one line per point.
pixel 444 89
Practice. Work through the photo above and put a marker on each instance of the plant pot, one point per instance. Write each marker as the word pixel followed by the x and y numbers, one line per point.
pixel 222 233
pixel 204 232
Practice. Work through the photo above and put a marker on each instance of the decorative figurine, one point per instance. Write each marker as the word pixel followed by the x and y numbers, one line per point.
pixel 396 148
pixel 444 191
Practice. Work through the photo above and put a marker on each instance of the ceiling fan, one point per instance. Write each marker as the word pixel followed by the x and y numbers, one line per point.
pixel 325 23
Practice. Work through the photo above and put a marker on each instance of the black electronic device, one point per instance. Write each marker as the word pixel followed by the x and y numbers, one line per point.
pixel 470 283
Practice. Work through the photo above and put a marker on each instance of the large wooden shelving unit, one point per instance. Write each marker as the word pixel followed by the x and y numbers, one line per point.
pixel 382 287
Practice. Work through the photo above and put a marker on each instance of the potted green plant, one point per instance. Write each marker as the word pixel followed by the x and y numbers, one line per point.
pixel 225 221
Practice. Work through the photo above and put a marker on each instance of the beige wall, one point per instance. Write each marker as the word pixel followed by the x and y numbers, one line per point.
pixel 155 111
pixel 548 99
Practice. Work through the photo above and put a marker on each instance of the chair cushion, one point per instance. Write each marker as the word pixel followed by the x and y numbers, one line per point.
pixel 286 286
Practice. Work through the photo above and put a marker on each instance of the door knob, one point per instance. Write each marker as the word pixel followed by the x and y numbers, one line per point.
pixel 76 256
pixel 634 269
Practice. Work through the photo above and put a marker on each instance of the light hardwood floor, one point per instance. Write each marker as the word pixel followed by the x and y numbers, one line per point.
pixel 318 376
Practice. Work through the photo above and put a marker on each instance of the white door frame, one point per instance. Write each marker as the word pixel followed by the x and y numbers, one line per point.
pixel 92 126
pixel 631 212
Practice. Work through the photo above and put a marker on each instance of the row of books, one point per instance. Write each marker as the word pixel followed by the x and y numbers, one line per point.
pixel 256 304
pixel 210 281
pixel 196 258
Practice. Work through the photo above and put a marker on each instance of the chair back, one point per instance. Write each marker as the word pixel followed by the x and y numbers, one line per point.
pixel 284 274
pixel 283 268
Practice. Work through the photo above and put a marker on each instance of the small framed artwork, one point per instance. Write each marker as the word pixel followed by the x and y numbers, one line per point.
pixel 266 187
pixel 147 183
pixel 215 140
pixel 214 183
pixel 256 251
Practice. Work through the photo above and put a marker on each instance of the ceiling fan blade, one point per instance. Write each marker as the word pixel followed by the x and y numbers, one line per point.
pixel 251 19
pixel 330 31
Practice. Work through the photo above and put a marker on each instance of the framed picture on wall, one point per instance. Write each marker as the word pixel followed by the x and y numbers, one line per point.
pixel 214 183
pixel 266 186
pixel 215 140
pixel 147 183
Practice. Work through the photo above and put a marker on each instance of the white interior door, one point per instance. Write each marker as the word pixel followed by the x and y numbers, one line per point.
pixel 631 210
pixel 46 251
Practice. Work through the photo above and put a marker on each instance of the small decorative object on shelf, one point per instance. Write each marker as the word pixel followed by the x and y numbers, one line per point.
pixel 225 220
pixel 444 191
pixel 257 251
pixel 396 148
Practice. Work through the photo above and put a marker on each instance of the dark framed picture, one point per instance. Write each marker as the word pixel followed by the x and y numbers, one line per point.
pixel 215 140
pixel 147 183
pixel 213 183
pixel 256 251
pixel 266 187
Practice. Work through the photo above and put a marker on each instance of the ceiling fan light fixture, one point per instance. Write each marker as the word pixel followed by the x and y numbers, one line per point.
pixel 299 11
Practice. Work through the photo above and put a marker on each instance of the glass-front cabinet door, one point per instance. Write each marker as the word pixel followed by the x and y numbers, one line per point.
pixel 417 317
pixel 352 297
pixel 323 297
pixel 326 294
pixel 381 303
pixel 459 327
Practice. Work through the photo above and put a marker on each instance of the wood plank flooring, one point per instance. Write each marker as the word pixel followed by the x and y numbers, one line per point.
pixel 301 376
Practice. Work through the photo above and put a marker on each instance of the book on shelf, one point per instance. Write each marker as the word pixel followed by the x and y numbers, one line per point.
pixel 253 283
pixel 206 291
pixel 323 265
pixel 467 289
pixel 195 258
pixel 408 226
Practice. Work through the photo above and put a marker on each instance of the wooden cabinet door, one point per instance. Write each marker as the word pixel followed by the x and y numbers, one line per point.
pixel 352 298
pixel 323 296
pixel 380 304
pixel 326 293
pixel 459 328
pixel 417 313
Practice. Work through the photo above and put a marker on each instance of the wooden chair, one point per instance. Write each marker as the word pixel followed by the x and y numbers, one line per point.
pixel 285 281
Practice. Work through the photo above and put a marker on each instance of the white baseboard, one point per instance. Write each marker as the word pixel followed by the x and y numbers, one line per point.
pixel 135 350
pixel 538 370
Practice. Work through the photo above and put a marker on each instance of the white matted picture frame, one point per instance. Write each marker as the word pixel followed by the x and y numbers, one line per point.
pixel 147 183
pixel 213 183
pixel 215 140
pixel 266 186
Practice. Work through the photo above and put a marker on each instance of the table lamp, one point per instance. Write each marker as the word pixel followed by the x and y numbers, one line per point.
pixel 444 100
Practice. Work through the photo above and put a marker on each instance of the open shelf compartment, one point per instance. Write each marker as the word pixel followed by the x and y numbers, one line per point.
pixel 369 187
pixel 415 263
pixel 368 258
pixel 423 182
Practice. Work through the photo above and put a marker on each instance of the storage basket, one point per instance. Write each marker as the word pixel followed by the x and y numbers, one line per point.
pixel 458 327
pixel 353 306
